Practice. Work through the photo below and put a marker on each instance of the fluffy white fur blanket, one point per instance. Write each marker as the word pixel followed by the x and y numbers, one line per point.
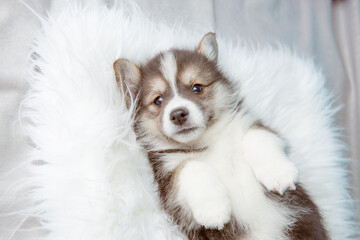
pixel 89 179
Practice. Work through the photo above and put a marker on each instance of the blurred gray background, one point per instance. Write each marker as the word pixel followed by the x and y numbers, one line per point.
pixel 326 31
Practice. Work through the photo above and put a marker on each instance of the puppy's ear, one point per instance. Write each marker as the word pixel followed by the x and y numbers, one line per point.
pixel 208 47
pixel 128 77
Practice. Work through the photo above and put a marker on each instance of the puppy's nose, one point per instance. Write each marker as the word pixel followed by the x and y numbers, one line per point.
pixel 179 116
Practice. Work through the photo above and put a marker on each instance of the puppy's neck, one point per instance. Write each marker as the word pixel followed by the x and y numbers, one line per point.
pixel 213 131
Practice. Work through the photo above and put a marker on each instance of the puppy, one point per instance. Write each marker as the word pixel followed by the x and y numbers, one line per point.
pixel 221 173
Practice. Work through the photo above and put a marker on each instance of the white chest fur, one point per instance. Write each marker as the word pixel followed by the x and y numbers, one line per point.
pixel 264 218
pixel 220 182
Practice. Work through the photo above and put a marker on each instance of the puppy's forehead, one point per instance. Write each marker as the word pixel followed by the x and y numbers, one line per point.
pixel 189 73
pixel 161 72
pixel 153 80
pixel 181 66
pixel 194 67
pixel 174 67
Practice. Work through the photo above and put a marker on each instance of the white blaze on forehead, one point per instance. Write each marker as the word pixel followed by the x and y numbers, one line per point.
pixel 168 69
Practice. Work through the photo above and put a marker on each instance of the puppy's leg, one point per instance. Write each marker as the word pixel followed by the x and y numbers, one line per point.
pixel 204 195
pixel 265 152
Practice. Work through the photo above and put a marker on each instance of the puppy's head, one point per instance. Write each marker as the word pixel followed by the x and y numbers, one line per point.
pixel 180 93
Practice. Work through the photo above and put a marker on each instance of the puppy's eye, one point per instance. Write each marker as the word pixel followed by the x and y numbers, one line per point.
pixel 196 88
pixel 158 100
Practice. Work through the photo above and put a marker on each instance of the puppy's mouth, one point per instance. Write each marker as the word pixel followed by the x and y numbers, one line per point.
pixel 186 130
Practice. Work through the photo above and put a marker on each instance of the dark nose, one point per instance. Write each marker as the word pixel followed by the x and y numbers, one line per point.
pixel 179 116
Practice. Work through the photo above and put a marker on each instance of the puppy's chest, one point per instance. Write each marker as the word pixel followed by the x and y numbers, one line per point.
pixel 226 156
pixel 225 153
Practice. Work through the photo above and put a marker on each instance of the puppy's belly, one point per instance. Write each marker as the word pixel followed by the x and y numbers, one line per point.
pixel 261 217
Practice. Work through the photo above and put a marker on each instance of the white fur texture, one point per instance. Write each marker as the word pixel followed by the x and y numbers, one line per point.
pixel 89 180
pixel 266 155
pixel 204 194
pixel 231 164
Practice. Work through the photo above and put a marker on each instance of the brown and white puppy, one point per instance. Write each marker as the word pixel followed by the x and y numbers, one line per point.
pixel 221 174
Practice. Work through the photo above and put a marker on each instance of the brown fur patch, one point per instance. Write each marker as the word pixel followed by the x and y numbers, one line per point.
pixel 231 231
pixel 166 189
pixel 309 224
pixel 178 150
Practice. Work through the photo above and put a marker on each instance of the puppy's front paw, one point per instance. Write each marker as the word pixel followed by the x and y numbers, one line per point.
pixel 213 213
pixel 277 176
